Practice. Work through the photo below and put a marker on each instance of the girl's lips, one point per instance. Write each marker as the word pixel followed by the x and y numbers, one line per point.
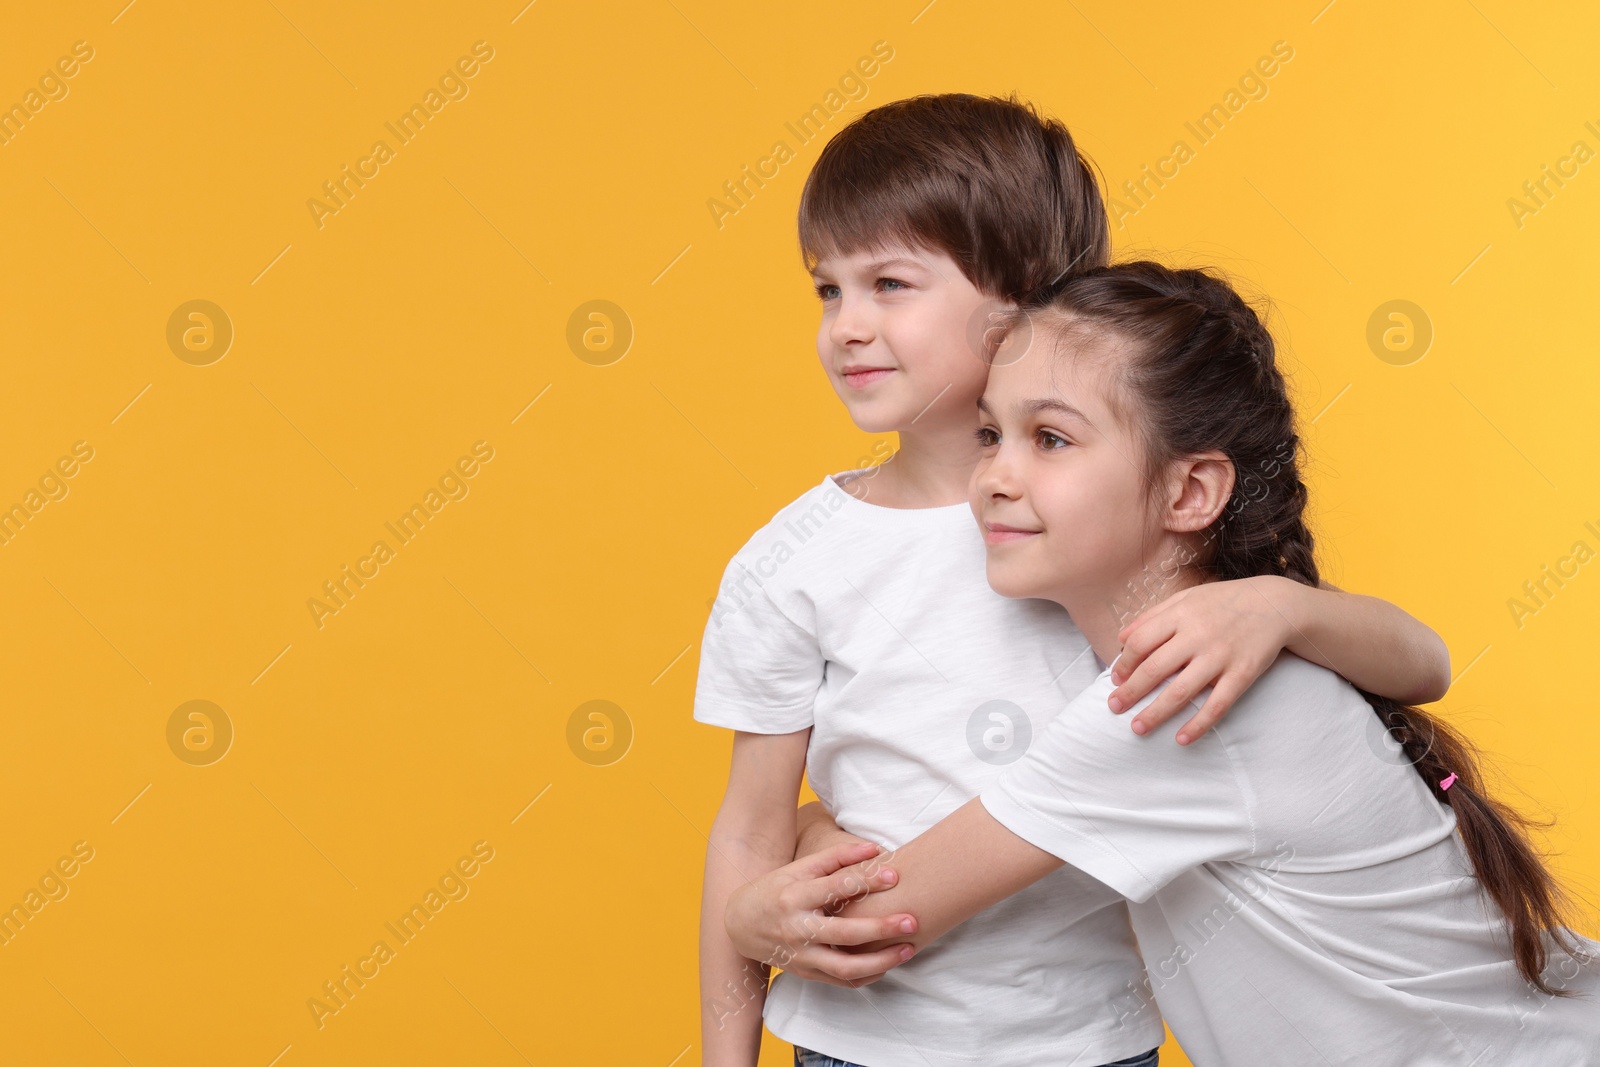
pixel 996 535
pixel 863 378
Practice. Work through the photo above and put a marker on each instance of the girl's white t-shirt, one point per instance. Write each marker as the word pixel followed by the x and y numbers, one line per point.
pixel 876 628
pixel 1299 894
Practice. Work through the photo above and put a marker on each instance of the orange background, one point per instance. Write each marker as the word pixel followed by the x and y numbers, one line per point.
pixel 371 754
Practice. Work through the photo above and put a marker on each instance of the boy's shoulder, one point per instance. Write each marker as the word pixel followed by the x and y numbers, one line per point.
pixel 781 560
pixel 798 523
pixel 828 530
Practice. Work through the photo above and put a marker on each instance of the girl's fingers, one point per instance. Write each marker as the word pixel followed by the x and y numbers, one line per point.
pixel 837 930
pixel 1161 663
pixel 823 964
pixel 837 889
pixel 834 858
pixel 1223 693
pixel 1174 698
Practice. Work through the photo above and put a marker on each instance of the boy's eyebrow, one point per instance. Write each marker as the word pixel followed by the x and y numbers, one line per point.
pixel 1037 405
pixel 896 261
pixel 884 264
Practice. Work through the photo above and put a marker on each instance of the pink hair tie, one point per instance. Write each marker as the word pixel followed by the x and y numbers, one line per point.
pixel 1448 782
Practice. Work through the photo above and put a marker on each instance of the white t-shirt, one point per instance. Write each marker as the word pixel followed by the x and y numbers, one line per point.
pixel 1299 895
pixel 876 627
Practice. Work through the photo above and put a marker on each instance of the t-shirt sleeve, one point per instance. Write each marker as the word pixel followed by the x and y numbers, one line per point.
pixel 759 669
pixel 1134 812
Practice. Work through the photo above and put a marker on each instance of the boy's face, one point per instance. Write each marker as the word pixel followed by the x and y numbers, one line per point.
pixel 894 338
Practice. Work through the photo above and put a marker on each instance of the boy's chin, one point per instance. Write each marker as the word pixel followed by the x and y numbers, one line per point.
pixel 878 422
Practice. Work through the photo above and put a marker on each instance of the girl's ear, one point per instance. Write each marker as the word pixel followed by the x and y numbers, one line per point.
pixel 1201 487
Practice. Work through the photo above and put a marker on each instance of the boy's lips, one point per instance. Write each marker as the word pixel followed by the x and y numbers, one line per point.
pixel 859 377
pixel 995 533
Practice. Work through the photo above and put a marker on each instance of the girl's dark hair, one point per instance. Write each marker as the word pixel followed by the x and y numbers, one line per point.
pixel 989 181
pixel 1201 374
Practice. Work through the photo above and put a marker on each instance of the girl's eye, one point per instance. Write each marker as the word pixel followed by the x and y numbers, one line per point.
pixel 891 281
pixel 1051 442
pixel 825 291
pixel 987 438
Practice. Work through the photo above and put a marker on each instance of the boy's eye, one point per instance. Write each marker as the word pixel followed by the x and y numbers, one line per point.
pixel 987 438
pixel 825 291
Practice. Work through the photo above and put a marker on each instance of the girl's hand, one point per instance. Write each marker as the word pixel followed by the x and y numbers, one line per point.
pixel 1220 634
pixel 786 918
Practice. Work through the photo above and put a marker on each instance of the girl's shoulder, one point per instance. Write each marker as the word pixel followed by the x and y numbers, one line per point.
pixel 1300 680
pixel 1291 687
pixel 1295 706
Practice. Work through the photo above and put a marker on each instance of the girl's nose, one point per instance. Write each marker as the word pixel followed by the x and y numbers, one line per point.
pixel 996 475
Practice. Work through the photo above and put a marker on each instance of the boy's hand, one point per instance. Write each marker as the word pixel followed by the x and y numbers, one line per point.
pixel 1220 634
pixel 785 918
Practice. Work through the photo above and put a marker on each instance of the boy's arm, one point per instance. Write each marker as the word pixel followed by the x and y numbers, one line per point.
pixel 1374 644
pixel 815 831
pixel 754 833
pixel 1226 634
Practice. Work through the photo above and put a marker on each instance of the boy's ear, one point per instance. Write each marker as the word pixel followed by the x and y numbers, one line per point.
pixel 989 327
pixel 1200 488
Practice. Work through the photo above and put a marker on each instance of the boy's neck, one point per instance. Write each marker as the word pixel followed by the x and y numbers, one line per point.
pixel 930 469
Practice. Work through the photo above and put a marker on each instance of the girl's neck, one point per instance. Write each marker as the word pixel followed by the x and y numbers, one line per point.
pixel 930 469
pixel 1102 611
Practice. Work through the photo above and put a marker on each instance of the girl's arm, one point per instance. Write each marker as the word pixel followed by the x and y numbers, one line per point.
pixel 868 935
pixel 754 833
pixel 789 917
pixel 1126 813
pixel 936 880
pixel 1225 634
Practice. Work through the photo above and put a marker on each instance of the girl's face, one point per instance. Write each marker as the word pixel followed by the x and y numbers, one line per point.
pixel 894 337
pixel 1059 490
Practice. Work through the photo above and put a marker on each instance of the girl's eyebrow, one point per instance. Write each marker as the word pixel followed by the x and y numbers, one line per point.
pixel 1038 405
pixel 1060 407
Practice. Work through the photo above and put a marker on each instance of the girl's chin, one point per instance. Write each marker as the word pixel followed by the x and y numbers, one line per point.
pixel 1014 582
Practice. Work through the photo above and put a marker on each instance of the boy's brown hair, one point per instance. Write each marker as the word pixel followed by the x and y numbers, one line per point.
pixel 989 181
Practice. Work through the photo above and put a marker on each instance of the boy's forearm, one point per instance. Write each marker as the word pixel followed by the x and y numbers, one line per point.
pixel 733 989
pixel 1371 642
pixel 815 830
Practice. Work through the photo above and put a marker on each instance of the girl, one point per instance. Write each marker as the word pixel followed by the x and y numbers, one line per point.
pixel 1322 878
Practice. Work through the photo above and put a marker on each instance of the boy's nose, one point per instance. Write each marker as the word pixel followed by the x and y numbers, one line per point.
pixel 852 322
